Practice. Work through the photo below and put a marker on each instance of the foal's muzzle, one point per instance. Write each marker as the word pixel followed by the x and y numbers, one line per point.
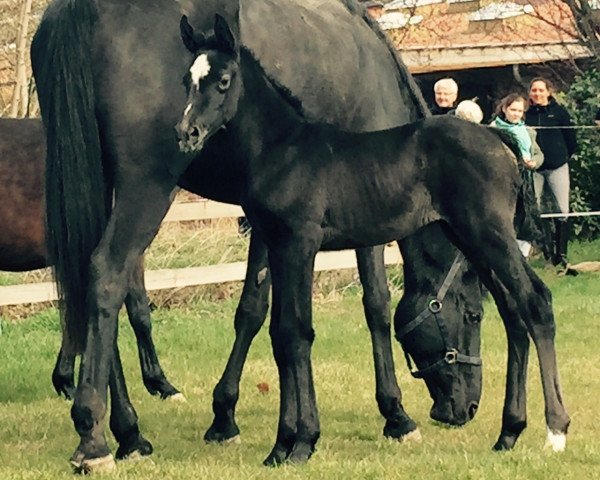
pixel 190 137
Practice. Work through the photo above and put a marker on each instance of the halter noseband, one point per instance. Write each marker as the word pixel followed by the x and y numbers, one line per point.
pixel 434 307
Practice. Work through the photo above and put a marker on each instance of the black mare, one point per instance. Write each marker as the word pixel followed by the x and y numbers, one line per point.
pixel 110 94
pixel 317 187
pixel 23 247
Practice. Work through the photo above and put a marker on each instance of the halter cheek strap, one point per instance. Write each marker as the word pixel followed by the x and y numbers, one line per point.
pixel 435 305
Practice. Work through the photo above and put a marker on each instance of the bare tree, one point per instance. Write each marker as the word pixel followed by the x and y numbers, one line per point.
pixel 20 97
pixel 587 20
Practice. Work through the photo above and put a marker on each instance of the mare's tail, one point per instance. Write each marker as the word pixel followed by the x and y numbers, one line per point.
pixel 408 87
pixel 528 223
pixel 76 199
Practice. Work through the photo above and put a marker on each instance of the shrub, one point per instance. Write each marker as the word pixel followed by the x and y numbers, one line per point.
pixel 583 100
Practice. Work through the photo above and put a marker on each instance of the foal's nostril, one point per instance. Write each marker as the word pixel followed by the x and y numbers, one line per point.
pixel 194 132
pixel 472 410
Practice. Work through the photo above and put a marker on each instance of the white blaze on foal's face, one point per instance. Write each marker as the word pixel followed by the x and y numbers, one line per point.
pixel 199 69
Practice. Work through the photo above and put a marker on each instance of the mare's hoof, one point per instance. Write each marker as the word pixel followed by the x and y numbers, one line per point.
pixel 414 436
pixel 160 386
pixel 556 441
pixel 223 436
pixel 65 389
pixel 135 448
pixel 399 430
pixel 176 398
pixel 82 465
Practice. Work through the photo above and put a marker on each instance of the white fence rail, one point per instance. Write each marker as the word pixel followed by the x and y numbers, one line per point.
pixel 191 276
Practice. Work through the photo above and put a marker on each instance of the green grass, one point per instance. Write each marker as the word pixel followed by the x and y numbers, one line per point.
pixel 37 437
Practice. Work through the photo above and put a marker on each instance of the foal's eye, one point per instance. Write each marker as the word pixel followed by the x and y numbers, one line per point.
pixel 225 82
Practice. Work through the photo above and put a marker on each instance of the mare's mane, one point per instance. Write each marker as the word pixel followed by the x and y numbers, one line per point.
pixel 284 92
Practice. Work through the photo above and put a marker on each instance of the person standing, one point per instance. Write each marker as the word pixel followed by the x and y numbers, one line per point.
pixel 598 117
pixel 557 145
pixel 445 91
pixel 509 116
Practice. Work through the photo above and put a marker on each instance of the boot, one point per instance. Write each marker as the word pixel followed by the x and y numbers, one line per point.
pixel 561 242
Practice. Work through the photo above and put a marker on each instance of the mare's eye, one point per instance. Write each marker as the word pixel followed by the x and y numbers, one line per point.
pixel 224 82
pixel 473 318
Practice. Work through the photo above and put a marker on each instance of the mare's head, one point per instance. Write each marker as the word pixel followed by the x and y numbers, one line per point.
pixel 212 82
pixel 442 338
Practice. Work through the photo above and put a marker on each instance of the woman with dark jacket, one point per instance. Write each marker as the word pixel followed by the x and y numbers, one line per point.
pixel 557 145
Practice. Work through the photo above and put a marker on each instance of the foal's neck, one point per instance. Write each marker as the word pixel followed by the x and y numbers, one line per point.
pixel 266 108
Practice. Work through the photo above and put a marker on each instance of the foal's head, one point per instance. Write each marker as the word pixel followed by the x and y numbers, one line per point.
pixel 213 84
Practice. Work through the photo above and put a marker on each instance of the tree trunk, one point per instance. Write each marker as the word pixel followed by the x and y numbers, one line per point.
pixel 19 100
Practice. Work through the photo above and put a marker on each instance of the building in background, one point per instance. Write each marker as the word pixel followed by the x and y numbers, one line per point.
pixel 489 47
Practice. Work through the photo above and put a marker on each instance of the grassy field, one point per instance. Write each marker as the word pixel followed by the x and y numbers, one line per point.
pixel 37 437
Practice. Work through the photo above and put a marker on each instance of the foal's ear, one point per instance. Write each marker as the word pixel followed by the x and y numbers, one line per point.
pixel 225 38
pixel 193 41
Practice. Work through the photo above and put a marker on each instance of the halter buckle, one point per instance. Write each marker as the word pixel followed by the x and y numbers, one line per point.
pixel 435 305
pixel 451 356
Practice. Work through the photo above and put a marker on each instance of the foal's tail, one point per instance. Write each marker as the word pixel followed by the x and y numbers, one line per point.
pixel 528 223
pixel 76 192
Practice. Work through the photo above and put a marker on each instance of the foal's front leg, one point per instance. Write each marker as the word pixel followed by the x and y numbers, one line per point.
pixel 376 302
pixel 292 336
pixel 249 318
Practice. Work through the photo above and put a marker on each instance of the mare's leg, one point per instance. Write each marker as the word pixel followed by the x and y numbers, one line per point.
pixel 64 373
pixel 123 419
pixel 140 205
pixel 521 297
pixel 376 302
pixel 138 310
pixel 249 318
pixel 292 336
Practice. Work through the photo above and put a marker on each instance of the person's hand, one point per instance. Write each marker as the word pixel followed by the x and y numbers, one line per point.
pixel 530 164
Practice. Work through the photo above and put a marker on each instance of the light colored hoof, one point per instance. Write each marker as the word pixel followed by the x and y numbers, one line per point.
pixel 137 457
pixel 237 440
pixel 414 436
pixel 556 441
pixel 177 398
pixel 94 465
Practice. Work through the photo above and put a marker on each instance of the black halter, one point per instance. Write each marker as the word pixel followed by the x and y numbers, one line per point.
pixel 452 355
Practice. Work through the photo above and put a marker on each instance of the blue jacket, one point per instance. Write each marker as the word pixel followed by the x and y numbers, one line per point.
pixel 557 145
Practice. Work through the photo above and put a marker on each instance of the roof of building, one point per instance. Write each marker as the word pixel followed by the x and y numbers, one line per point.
pixel 453 34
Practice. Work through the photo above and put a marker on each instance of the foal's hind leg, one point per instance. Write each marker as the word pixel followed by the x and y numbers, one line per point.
pixel 519 294
pixel 376 302
pixel 249 318
pixel 138 310
pixel 514 414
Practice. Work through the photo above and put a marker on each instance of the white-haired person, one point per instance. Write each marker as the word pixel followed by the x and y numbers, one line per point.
pixel 445 93
pixel 469 110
